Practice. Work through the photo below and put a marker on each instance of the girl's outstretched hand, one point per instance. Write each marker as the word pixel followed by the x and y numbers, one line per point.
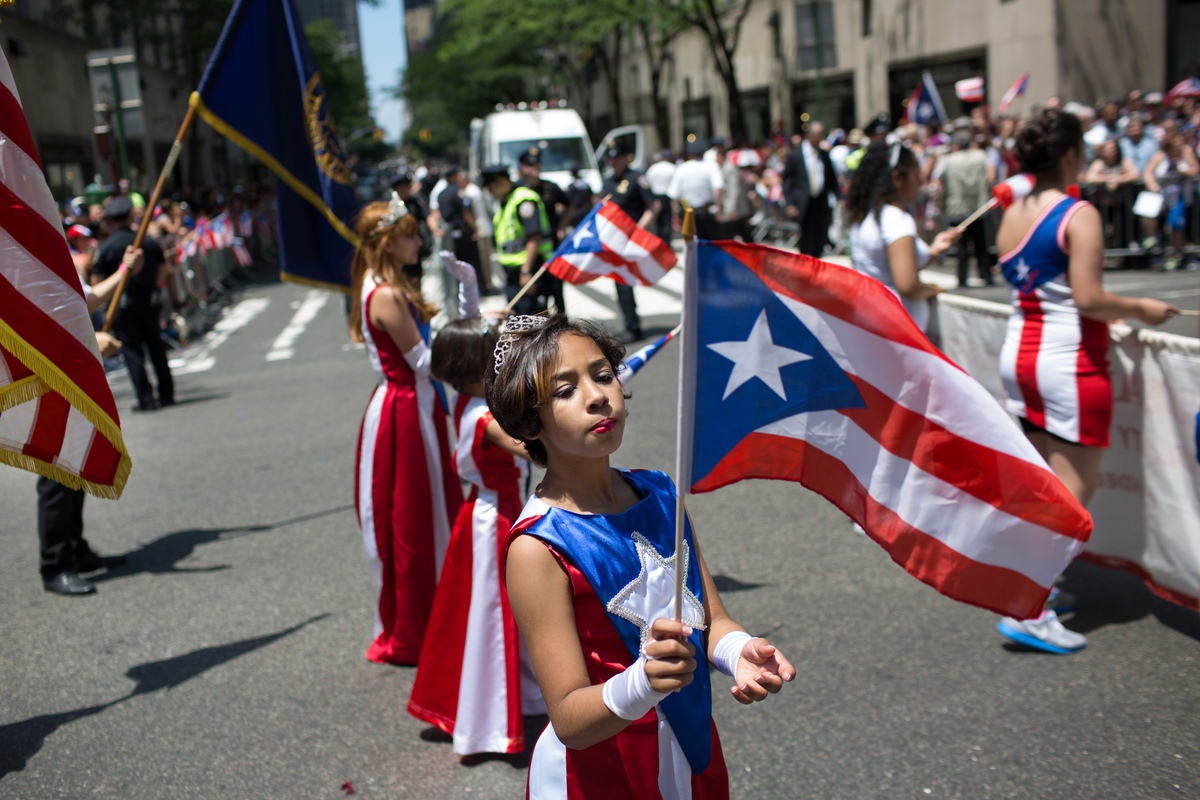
pixel 761 670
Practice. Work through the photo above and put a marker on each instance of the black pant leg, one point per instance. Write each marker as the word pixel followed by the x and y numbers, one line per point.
pixel 628 304
pixel 129 332
pixel 814 227
pixel 977 230
pixel 60 526
pixel 152 336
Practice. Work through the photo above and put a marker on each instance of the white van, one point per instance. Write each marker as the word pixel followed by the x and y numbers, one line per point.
pixel 501 138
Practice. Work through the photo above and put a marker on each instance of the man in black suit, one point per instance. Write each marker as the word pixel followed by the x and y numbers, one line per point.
pixel 810 189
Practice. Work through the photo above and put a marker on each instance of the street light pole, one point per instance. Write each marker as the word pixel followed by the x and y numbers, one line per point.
pixel 117 116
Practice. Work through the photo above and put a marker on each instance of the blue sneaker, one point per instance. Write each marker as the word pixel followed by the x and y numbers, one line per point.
pixel 1045 633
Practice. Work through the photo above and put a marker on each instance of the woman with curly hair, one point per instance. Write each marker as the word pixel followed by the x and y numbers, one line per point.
pixel 406 491
pixel 883 234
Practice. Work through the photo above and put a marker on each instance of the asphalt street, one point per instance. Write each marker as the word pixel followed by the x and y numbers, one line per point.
pixel 225 659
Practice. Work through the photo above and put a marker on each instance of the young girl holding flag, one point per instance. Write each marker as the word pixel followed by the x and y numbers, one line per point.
pixel 474 680
pixel 590 575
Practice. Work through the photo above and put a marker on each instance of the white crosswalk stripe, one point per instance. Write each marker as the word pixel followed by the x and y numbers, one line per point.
pixel 282 348
pixel 201 359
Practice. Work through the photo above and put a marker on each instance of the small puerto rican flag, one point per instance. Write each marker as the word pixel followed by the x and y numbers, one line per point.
pixel 636 361
pixel 969 90
pixel 608 244
pixel 1014 91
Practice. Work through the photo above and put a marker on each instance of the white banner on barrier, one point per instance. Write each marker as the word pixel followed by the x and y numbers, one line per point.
pixel 1147 501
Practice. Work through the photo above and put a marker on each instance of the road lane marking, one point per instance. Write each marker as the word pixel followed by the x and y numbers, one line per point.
pixel 201 359
pixel 282 348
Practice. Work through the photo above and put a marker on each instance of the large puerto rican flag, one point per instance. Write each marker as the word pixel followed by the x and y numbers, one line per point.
pixel 800 370
pixel 608 244
pixel 57 414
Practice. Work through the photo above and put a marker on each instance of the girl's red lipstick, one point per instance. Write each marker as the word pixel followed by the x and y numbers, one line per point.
pixel 604 425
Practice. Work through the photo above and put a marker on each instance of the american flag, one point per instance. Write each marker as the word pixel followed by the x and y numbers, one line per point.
pixel 800 370
pixel 608 244
pixel 57 414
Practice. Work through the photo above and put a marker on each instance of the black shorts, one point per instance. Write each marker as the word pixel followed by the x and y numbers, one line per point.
pixel 1029 428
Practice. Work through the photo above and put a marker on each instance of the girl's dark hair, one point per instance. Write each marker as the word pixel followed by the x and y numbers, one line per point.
pixel 523 386
pixel 871 185
pixel 462 351
pixel 1043 142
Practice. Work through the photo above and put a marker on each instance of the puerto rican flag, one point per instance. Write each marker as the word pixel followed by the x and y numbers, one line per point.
pixel 969 90
pixel 636 361
pixel 608 244
pixel 925 104
pixel 800 370
pixel 240 254
pixel 1014 91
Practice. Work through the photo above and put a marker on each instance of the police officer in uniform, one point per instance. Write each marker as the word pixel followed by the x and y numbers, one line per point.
pixel 558 207
pixel 524 238
pixel 136 325
pixel 629 189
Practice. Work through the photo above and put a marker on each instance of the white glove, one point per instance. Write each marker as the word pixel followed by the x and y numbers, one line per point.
pixel 468 285
pixel 418 358
pixel 728 651
pixel 628 694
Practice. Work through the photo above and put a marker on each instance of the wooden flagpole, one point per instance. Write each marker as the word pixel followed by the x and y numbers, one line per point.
pixel 686 384
pixel 167 169
pixel 979 212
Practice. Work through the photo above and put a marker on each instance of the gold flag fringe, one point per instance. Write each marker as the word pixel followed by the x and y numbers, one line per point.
pixel 55 380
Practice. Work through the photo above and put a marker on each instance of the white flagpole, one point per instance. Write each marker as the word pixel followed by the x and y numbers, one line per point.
pixel 687 400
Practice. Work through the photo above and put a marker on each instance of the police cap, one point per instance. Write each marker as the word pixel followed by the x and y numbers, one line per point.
pixel 617 148
pixel 491 173
pixel 877 126
pixel 118 207
pixel 531 157
pixel 400 178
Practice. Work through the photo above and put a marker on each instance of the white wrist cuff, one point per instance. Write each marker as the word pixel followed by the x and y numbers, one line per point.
pixel 728 651
pixel 628 694
pixel 418 359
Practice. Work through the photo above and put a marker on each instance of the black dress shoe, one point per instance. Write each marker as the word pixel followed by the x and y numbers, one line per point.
pixel 70 584
pixel 90 562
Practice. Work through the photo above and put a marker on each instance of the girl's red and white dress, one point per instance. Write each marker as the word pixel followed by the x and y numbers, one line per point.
pixel 1054 362
pixel 474 680
pixel 405 491
pixel 618 566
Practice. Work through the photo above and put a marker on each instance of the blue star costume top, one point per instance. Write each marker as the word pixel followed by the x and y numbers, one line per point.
pixel 625 559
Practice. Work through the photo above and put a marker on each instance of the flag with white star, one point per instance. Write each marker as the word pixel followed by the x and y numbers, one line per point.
pixel 811 372
pixel 609 244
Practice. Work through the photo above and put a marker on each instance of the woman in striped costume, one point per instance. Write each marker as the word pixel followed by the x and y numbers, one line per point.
pixel 1054 363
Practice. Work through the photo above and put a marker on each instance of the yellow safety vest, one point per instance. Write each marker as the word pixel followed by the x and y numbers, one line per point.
pixel 510 232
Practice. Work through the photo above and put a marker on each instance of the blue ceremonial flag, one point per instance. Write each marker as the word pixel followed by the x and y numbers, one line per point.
pixel 925 104
pixel 261 89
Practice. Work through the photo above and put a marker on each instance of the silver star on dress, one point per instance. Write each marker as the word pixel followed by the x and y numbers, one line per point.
pixel 651 594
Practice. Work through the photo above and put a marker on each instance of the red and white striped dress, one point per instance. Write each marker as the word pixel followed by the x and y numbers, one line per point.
pixel 405 493
pixel 474 680
pixel 1054 363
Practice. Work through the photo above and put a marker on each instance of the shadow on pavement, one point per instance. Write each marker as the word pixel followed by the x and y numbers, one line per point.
pixel 163 555
pixel 20 741
pixel 199 398
pixel 1112 597
pixel 534 725
pixel 726 584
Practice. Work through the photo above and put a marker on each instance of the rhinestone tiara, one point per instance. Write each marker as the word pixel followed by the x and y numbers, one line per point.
pixel 508 335
pixel 396 211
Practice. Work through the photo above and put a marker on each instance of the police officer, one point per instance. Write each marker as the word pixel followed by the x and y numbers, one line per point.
pixel 558 207
pixel 136 325
pixel 629 189
pixel 404 185
pixel 524 238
